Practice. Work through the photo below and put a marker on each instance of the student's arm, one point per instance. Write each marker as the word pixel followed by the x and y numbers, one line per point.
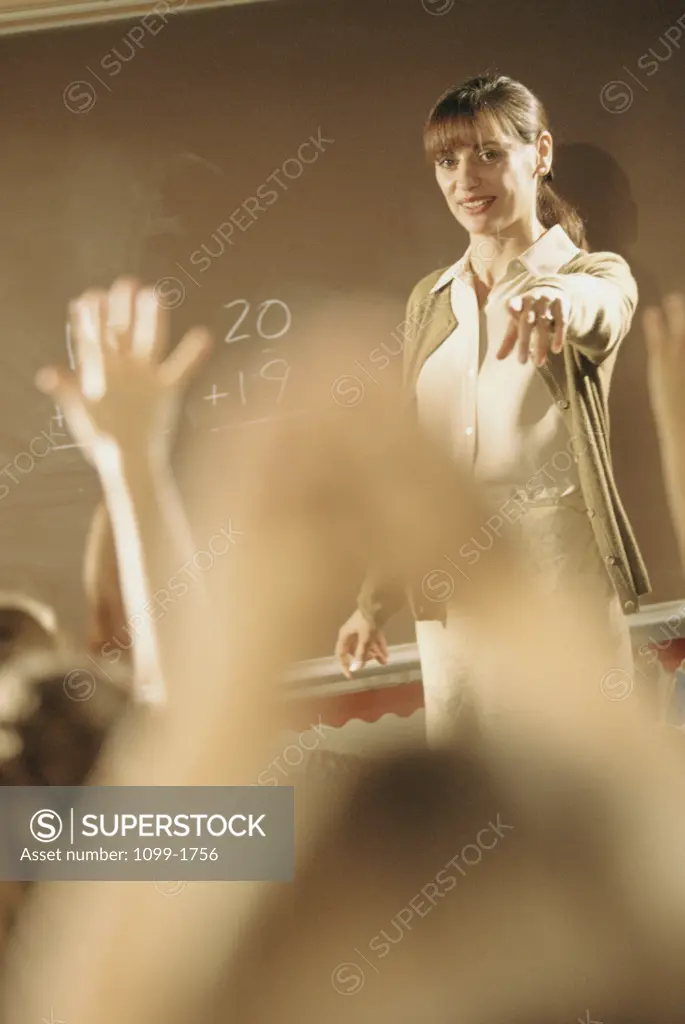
pixel 665 335
pixel 105 609
pixel 121 409
pixel 153 542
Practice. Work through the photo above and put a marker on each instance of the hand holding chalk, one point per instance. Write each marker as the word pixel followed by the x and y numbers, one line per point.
pixel 358 642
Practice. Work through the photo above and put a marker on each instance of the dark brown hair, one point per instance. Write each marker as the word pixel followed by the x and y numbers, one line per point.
pixel 511 110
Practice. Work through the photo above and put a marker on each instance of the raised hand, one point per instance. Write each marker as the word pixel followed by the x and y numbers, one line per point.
pixel 121 405
pixel 124 393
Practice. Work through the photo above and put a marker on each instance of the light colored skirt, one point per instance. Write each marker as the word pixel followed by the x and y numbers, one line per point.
pixel 560 550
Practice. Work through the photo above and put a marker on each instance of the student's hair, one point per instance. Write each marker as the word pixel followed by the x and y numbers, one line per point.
pixel 512 110
pixel 400 820
pixel 56 713
pixel 56 709
pixel 25 625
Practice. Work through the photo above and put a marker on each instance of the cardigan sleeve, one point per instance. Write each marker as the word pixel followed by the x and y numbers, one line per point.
pixel 602 295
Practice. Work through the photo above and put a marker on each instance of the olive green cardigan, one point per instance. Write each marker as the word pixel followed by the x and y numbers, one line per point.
pixel 603 298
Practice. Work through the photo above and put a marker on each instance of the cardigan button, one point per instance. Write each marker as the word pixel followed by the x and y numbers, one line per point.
pixel 591 513
pixel 563 403
pixel 629 606
pixel 611 560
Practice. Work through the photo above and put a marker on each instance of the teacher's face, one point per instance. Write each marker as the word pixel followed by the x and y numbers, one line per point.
pixel 489 182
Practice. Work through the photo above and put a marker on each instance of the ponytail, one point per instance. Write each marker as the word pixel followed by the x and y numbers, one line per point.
pixel 552 209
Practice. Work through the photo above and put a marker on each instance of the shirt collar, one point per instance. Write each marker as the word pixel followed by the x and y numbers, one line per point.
pixel 546 256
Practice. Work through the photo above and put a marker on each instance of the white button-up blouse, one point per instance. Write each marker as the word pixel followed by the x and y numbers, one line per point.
pixel 498 414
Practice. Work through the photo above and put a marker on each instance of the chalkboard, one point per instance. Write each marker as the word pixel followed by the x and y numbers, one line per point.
pixel 250 162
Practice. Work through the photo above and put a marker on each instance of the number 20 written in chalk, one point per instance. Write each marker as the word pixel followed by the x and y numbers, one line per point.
pixel 277 323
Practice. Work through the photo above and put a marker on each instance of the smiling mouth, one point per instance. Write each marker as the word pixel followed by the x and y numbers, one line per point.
pixel 477 205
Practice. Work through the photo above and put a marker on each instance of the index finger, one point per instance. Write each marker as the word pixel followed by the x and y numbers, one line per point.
pixel 559 335
pixel 87 326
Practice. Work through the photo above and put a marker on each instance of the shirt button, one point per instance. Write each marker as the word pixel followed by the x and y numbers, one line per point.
pixel 611 560
pixel 472 373
pixel 629 606
pixel 562 403
pixel 469 431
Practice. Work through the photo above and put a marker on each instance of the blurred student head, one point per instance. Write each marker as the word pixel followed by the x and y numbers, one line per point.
pixel 26 625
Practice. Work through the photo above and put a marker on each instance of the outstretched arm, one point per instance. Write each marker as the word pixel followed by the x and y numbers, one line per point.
pixel 590 305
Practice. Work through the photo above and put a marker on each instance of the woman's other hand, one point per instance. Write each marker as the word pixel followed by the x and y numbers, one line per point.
pixel 358 639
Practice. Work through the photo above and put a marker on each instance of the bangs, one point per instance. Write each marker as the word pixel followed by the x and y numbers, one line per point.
pixel 456 127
